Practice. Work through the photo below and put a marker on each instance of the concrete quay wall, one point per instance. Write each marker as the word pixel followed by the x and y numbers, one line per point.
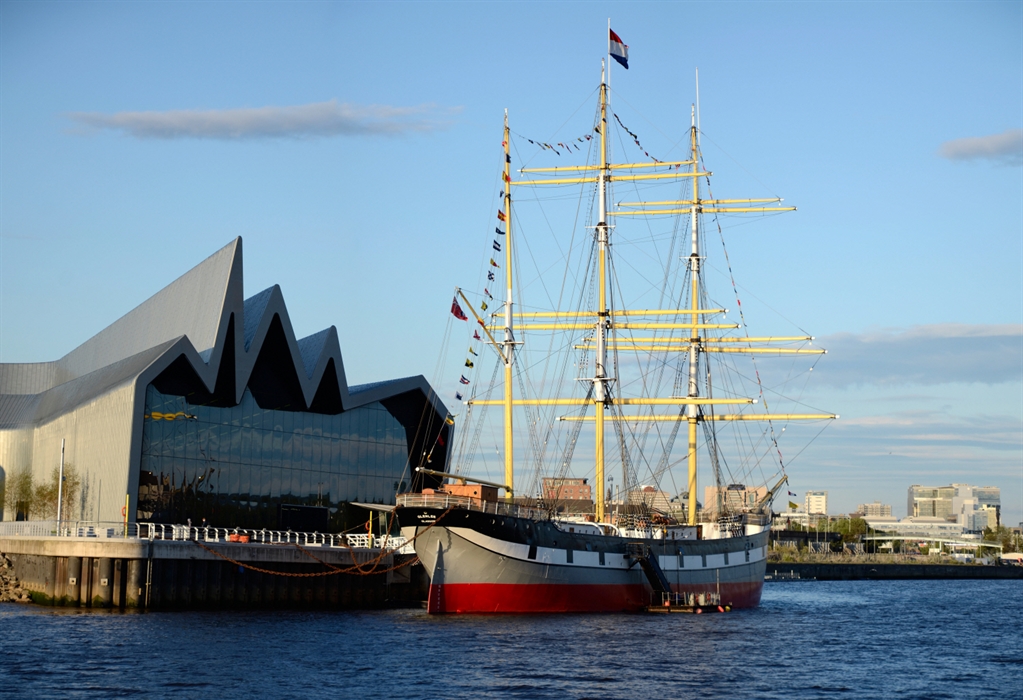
pixel 857 572
pixel 164 574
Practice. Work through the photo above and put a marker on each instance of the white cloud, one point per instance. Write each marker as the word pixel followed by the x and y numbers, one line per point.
pixel 1006 148
pixel 317 120
pixel 934 354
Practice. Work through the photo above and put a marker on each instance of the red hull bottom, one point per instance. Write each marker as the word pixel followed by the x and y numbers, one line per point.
pixel 563 598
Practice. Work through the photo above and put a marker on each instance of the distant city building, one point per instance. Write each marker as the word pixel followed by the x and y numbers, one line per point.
pixel 816 503
pixel 734 498
pixel 567 489
pixel 874 510
pixel 652 497
pixel 788 519
pixel 929 501
pixel 914 526
pixel 962 503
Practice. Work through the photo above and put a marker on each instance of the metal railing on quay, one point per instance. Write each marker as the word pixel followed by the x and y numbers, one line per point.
pixel 185 533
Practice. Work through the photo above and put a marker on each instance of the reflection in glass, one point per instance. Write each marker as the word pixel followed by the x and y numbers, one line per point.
pixel 232 466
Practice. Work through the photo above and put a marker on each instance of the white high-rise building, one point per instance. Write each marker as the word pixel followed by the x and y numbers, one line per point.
pixel 816 503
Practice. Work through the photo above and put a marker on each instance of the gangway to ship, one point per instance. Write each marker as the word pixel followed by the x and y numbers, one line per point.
pixel 640 553
pixel 664 599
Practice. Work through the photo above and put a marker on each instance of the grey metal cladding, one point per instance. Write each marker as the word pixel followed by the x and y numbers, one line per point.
pixel 188 318
pixel 190 306
pixel 95 395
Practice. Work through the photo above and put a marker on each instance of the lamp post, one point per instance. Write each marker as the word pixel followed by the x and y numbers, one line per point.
pixel 60 488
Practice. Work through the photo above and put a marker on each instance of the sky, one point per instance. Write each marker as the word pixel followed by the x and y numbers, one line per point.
pixel 355 147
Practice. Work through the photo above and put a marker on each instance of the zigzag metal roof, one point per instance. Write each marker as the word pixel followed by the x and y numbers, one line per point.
pixel 190 317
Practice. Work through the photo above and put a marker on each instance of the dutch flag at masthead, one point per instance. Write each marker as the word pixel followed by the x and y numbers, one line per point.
pixel 618 50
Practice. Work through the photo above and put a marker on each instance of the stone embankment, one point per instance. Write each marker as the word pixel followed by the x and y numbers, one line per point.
pixel 878 571
pixel 125 573
pixel 10 590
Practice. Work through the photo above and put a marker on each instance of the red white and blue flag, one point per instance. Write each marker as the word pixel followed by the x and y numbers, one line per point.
pixel 618 50
pixel 456 310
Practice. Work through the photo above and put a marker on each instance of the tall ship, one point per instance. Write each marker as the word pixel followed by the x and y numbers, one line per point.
pixel 594 375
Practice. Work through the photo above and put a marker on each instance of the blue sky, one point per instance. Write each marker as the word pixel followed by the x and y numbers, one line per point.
pixel 367 189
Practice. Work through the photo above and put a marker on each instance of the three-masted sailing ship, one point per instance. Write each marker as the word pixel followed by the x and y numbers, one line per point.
pixel 488 552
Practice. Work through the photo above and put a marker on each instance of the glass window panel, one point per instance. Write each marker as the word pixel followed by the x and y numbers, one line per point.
pixel 278 443
pixel 225 442
pixel 245 444
pixel 367 455
pixel 244 472
pixel 287 447
pixel 344 456
pixel 237 444
pixel 275 482
pixel 335 455
pixel 308 446
pixel 264 448
pixel 292 481
pixel 316 459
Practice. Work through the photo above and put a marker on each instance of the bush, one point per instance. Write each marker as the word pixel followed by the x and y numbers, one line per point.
pixel 44 502
pixel 18 492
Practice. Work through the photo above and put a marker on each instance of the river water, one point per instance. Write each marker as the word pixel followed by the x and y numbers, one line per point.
pixel 808 639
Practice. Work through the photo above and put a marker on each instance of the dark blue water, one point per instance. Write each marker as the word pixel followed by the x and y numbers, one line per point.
pixel 928 639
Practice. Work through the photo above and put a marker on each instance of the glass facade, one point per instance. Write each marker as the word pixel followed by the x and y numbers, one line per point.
pixel 236 466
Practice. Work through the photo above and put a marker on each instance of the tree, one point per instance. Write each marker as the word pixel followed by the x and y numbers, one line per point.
pixel 18 492
pixel 44 504
pixel 850 528
pixel 1003 536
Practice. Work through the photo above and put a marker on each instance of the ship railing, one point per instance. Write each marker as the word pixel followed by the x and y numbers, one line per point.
pixel 667 598
pixel 445 501
pixel 185 533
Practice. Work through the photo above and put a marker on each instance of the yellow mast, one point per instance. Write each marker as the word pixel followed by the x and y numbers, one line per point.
pixel 600 331
pixel 509 337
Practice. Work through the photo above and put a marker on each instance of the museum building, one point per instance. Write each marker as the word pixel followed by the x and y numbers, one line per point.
pixel 202 405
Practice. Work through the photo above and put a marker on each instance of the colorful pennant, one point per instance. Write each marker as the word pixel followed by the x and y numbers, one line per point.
pixel 635 138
